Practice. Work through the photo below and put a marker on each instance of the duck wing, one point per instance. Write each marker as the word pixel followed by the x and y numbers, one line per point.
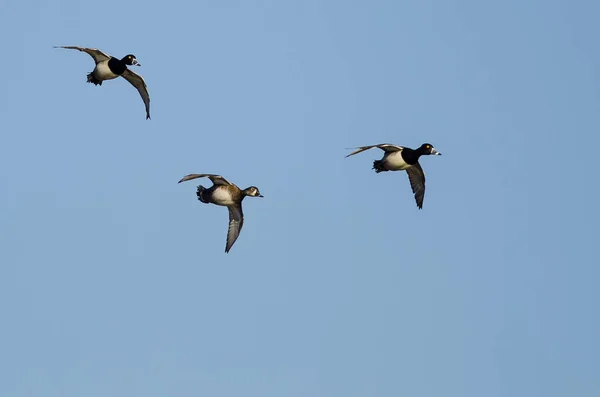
pixel 138 82
pixel 236 221
pixel 215 179
pixel 386 147
pixel 98 55
pixel 416 176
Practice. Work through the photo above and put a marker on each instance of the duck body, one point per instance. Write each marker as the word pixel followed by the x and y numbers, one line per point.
pixel 219 195
pixel 391 161
pixel 107 70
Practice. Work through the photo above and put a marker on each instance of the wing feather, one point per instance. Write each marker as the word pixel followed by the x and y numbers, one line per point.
pixel 138 82
pixel 98 55
pixel 416 176
pixel 236 221
pixel 386 147
pixel 215 179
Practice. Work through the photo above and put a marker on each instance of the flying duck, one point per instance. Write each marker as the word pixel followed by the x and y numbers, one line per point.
pixel 226 194
pixel 108 68
pixel 400 158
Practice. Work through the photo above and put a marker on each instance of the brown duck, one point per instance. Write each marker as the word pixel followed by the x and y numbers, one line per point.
pixel 225 193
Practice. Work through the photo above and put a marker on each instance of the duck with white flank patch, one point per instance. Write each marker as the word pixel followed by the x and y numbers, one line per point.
pixel 108 68
pixel 399 158
pixel 226 194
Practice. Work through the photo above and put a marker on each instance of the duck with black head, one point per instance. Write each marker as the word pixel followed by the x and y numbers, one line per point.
pixel 109 67
pixel 400 158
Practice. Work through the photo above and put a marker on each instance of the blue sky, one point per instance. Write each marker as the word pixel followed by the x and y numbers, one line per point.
pixel 113 279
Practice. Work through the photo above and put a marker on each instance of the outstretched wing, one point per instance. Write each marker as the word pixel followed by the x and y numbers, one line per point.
pixel 416 176
pixel 386 147
pixel 138 82
pixel 98 55
pixel 236 221
pixel 215 179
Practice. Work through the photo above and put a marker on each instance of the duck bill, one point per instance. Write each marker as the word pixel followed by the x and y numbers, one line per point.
pixel 435 152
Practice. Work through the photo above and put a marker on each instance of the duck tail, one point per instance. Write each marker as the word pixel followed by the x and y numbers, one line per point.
pixel 200 194
pixel 378 166
pixel 92 79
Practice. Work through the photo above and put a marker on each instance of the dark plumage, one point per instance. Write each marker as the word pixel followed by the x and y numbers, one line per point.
pixel 108 67
pixel 399 158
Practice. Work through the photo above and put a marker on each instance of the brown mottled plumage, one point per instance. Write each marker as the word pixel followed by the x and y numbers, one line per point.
pixel 226 194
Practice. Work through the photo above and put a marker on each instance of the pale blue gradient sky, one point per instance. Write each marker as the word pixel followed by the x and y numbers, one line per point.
pixel 113 280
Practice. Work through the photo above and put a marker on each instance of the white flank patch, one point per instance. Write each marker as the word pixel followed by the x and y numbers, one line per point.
pixel 102 71
pixel 394 162
pixel 222 197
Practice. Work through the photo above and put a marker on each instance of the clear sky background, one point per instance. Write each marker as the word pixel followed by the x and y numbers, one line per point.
pixel 113 279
